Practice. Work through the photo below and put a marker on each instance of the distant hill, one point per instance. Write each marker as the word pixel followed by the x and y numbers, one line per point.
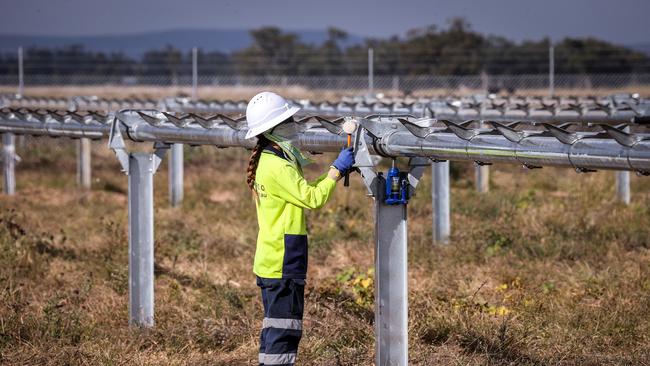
pixel 641 47
pixel 224 40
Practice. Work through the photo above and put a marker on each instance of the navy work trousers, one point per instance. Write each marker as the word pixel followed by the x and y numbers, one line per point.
pixel 282 326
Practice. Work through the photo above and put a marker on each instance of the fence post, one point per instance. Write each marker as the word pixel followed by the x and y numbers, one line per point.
pixel 9 163
pixel 440 194
pixel 371 70
pixel 84 162
pixel 396 83
pixel 551 70
pixel 21 80
pixel 176 175
pixel 21 87
pixel 195 73
pixel 485 82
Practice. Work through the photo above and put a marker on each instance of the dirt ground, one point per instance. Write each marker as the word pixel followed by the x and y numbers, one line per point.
pixel 546 268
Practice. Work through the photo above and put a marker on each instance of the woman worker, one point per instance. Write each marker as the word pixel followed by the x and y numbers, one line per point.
pixel 281 194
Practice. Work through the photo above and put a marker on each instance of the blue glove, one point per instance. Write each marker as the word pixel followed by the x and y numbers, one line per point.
pixel 345 160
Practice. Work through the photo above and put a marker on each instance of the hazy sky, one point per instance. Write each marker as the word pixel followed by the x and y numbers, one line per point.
pixel 623 21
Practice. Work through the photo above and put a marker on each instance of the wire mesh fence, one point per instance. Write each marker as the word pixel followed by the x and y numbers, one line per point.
pixel 451 83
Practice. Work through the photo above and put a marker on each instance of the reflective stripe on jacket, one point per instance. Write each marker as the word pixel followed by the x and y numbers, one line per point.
pixel 283 194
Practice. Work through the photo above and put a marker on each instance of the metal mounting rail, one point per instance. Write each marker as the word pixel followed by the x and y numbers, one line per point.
pixel 606 110
pixel 613 109
pixel 605 147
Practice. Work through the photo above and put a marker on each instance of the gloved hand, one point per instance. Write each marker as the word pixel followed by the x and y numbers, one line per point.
pixel 345 160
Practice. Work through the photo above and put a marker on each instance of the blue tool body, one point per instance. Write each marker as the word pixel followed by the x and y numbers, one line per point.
pixel 397 187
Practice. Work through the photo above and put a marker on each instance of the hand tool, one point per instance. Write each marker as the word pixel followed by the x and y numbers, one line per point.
pixel 349 126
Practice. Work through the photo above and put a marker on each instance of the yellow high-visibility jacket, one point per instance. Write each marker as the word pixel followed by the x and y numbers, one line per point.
pixel 283 194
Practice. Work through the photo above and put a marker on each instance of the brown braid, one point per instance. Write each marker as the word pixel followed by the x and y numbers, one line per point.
pixel 262 142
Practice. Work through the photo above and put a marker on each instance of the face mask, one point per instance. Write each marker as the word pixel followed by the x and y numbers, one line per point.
pixel 284 135
pixel 286 130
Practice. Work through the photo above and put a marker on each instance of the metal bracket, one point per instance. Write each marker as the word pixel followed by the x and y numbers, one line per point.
pixel 364 162
pixel 116 143
pixel 416 169
pixel 366 165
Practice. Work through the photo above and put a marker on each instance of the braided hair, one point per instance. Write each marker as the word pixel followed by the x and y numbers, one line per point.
pixel 262 142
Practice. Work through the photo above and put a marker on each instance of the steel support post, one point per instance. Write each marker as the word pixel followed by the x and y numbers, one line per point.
pixel 176 175
pixel 84 163
pixel 440 195
pixel 391 269
pixel 482 177
pixel 9 163
pixel 391 284
pixel 623 182
pixel 482 173
pixel 623 187
pixel 140 168
pixel 141 295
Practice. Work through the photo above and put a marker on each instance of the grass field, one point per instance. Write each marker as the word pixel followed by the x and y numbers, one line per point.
pixel 546 268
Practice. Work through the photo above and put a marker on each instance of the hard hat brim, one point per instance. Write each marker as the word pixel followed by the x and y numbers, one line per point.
pixel 272 123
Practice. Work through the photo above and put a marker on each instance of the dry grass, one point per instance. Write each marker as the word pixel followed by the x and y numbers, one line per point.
pixel 547 268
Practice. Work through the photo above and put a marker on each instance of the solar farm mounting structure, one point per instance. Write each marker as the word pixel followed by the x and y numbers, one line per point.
pixel 584 135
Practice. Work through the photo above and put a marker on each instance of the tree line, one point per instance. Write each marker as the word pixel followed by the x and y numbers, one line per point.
pixel 452 50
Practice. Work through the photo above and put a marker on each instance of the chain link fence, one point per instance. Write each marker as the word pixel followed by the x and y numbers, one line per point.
pixel 451 84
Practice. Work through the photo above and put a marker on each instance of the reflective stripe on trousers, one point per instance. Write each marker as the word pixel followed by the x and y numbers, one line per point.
pixel 279 359
pixel 282 323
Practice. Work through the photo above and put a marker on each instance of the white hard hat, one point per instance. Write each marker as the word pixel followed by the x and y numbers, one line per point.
pixel 265 111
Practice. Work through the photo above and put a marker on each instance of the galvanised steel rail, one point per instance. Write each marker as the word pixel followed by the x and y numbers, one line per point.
pixel 421 140
pixel 613 109
pixel 553 110
pixel 604 147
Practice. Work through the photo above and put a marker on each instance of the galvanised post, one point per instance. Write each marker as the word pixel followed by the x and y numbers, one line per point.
pixel 623 187
pixel 623 182
pixel 440 195
pixel 176 175
pixel 482 174
pixel 391 269
pixel 141 277
pixel 482 177
pixel 84 163
pixel 9 163
pixel 391 283
pixel 140 168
